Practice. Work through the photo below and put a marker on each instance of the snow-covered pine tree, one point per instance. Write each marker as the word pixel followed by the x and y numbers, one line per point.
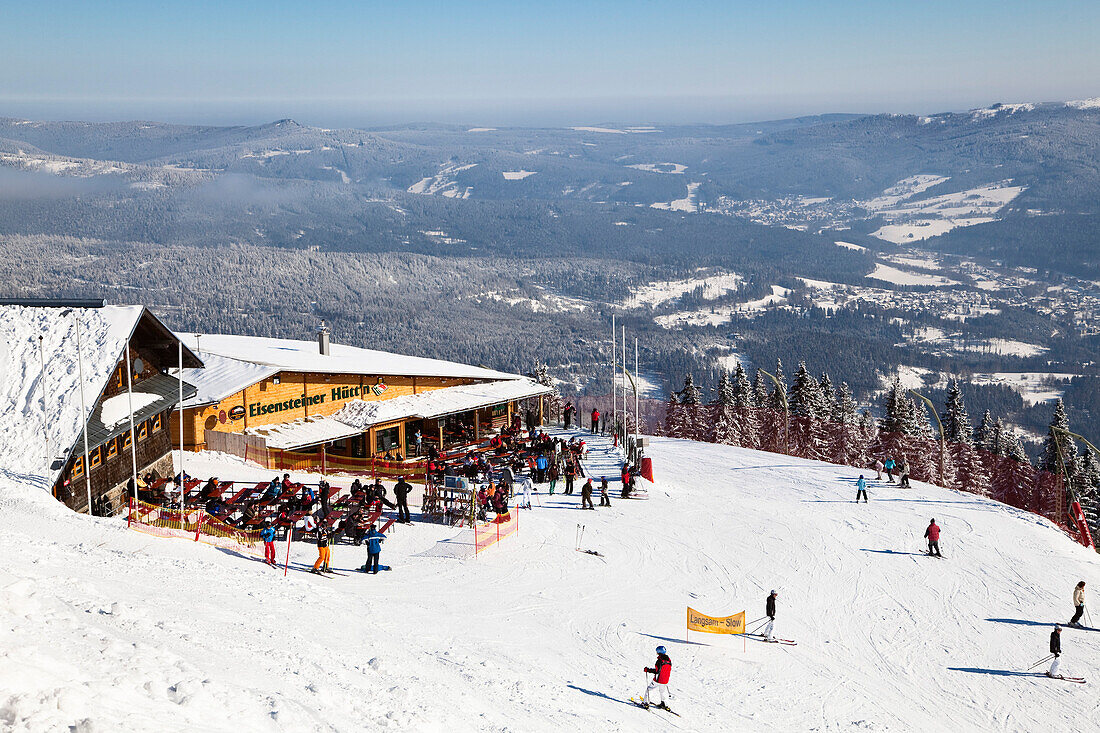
pixel 1088 491
pixel 1066 464
pixel 922 447
pixel 984 438
pixel 674 419
pixel 803 401
pixel 1014 479
pixel 846 437
pixel 554 402
pixel 744 403
pixel 723 413
pixel 770 410
pixel 969 470
pixel 692 410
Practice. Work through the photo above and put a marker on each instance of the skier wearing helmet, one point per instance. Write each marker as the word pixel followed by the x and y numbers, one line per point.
pixel 661 671
pixel 769 611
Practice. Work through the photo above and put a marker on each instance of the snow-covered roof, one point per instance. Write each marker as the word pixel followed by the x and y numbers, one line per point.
pixel 104 333
pixel 304 356
pixel 221 377
pixel 438 402
pixel 304 432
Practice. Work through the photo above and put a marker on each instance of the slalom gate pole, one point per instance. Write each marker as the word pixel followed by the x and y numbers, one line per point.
pixel 1088 615
pixel 1044 659
pixel 289 535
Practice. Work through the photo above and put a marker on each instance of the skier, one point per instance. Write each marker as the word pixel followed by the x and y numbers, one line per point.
pixel 861 488
pixel 267 534
pixel 889 466
pixel 570 474
pixel 878 469
pixel 769 611
pixel 595 420
pixel 605 500
pixel 540 468
pixel 1078 604
pixel 401 494
pixel 374 549
pixel 933 535
pixel 321 564
pixel 586 495
pixel 661 671
pixel 1055 649
pixel 903 474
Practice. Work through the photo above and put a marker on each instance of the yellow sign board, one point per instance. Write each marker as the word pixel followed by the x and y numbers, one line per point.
pixel 734 624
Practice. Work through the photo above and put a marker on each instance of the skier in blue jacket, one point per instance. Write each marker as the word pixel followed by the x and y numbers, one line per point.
pixel 540 465
pixel 267 534
pixel 861 488
pixel 374 549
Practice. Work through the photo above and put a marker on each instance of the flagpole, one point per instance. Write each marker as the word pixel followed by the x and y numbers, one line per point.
pixel 614 394
pixel 625 410
pixel 45 406
pixel 83 413
pixel 637 402
pixel 133 433
pixel 183 485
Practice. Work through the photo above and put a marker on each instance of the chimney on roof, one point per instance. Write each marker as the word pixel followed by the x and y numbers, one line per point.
pixel 322 339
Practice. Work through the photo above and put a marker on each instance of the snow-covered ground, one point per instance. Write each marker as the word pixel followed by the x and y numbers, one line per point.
pixel 1033 387
pixel 108 629
pixel 685 204
pixel 660 167
pixel 517 175
pixel 717 315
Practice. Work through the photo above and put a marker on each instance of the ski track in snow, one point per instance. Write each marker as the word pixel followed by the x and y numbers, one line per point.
pixel 109 629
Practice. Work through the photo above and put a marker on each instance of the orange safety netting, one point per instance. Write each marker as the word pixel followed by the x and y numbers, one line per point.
pixel 193 524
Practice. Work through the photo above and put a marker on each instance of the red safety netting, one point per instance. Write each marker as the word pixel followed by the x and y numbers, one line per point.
pixel 487 534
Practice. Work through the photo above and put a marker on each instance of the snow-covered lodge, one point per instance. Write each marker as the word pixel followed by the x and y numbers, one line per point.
pixel 286 404
pixel 324 406
pixel 70 368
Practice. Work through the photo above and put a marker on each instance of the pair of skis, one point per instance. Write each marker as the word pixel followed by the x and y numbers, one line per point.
pixel 773 640
pixel 642 704
pixel 579 539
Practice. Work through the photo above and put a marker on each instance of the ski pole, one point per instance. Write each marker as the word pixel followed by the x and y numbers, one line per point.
pixel 1045 659
pixel 582 537
pixel 1088 615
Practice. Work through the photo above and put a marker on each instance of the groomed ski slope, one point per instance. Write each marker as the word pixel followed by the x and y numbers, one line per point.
pixel 104 628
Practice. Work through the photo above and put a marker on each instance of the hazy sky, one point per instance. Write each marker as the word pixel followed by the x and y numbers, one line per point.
pixel 362 63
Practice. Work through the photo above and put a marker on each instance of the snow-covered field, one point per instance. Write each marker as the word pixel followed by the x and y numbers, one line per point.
pixel 908 277
pixel 685 204
pixel 658 293
pixel 914 220
pixel 107 629
pixel 517 175
pixel 1033 387
pixel 660 167
pixel 717 315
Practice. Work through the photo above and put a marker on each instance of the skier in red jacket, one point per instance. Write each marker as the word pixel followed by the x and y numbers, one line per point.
pixel 595 420
pixel 933 535
pixel 661 671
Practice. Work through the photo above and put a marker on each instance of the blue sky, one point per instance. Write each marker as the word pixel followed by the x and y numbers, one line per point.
pixel 348 63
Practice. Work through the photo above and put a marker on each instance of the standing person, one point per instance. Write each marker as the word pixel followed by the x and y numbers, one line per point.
pixel 605 500
pixel 595 420
pixel 903 474
pixel 878 469
pixel 586 495
pixel 1055 649
pixel 769 611
pixel 324 492
pixel 861 489
pixel 662 672
pixel 889 466
pixel 527 492
pixel 933 535
pixel 321 565
pixel 267 534
pixel 570 474
pixel 418 439
pixel 374 549
pixel 568 415
pixel 1078 604
pixel 540 468
pixel 401 494
pixel 552 474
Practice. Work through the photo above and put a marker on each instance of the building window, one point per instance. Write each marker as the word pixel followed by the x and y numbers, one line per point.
pixel 126 441
pixel 112 449
pixel 96 457
pixel 155 422
pixel 78 467
pixel 143 431
pixel 388 439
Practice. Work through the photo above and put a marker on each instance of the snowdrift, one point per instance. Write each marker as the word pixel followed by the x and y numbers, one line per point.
pixel 105 629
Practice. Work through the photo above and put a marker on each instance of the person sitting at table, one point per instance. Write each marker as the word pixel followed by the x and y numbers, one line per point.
pixel 287 483
pixel 307 500
pixel 274 489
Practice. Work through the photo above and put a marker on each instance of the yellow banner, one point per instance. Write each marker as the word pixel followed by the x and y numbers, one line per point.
pixel 734 624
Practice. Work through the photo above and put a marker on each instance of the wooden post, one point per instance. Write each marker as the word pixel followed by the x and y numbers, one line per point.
pixel 542 420
pixel 477 426
pixel 439 423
